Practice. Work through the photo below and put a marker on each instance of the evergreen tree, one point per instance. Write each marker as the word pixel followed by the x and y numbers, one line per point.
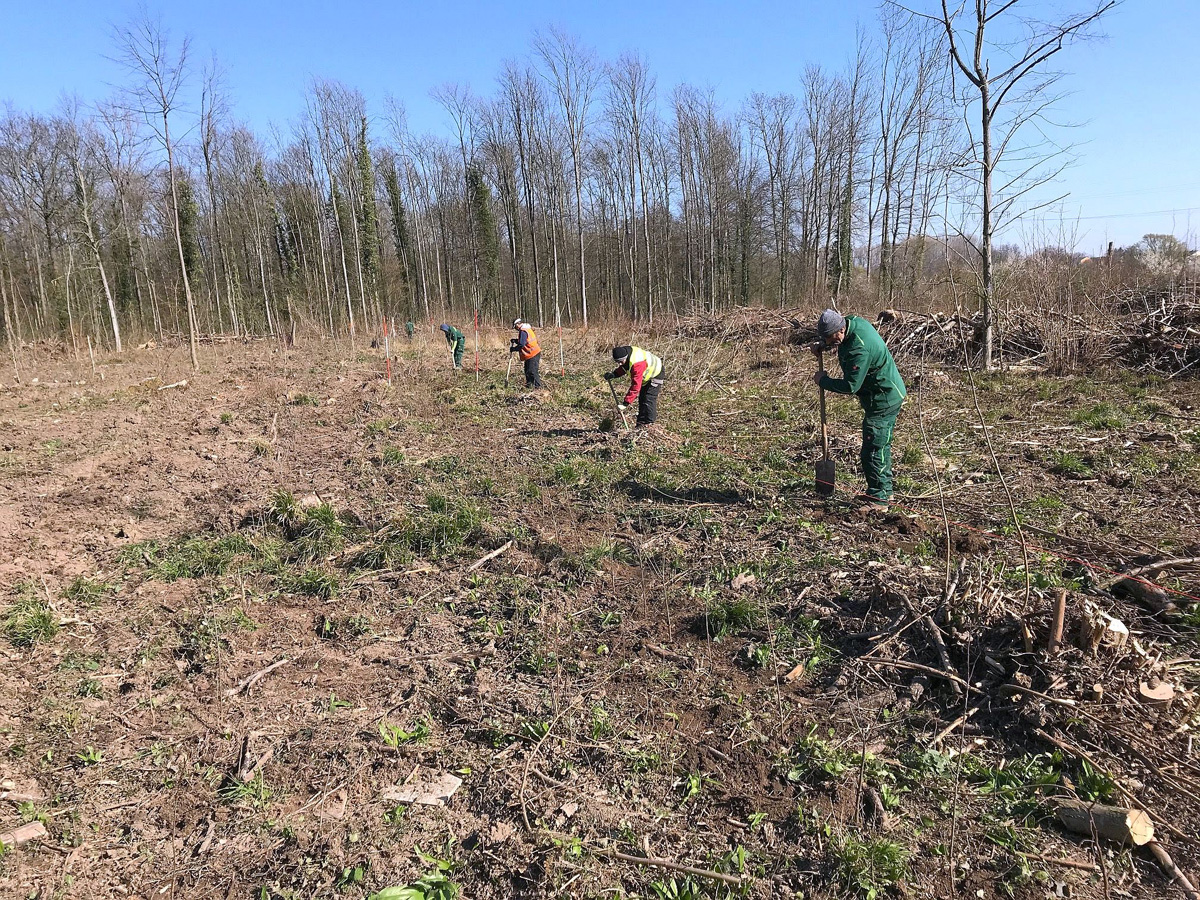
pixel 368 216
pixel 189 227
pixel 400 235
pixel 485 232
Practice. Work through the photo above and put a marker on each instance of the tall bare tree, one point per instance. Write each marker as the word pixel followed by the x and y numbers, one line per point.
pixel 159 73
pixel 574 74
pixel 1004 56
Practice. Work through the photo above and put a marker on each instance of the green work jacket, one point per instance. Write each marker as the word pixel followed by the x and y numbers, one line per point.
pixel 453 336
pixel 868 370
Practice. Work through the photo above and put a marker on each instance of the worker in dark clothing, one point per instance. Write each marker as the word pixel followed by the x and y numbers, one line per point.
pixel 645 371
pixel 458 343
pixel 526 346
pixel 409 328
pixel 869 372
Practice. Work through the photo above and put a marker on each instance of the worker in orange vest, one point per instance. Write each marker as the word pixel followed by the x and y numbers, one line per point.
pixel 525 345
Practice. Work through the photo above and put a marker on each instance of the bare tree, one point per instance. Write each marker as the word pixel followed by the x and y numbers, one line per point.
pixel 574 74
pixel 81 149
pixel 1010 96
pixel 159 74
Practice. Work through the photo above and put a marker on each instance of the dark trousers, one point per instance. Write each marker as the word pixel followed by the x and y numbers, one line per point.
pixel 532 365
pixel 876 456
pixel 648 399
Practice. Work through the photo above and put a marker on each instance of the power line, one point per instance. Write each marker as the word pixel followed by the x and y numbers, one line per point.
pixel 1153 212
pixel 1136 191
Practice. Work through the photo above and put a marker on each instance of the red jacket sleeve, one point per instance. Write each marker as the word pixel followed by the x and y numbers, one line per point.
pixel 636 374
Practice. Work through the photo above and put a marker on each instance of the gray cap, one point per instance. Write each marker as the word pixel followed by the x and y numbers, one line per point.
pixel 830 323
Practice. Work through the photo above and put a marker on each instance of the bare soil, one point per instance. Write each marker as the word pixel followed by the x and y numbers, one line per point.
pixel 684 653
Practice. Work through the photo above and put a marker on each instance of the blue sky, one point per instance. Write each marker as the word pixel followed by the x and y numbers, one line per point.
pixel 1134 93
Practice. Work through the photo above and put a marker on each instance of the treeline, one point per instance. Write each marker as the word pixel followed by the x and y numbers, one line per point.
pixel 576 188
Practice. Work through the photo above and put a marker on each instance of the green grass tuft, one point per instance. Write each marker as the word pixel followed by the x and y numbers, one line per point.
pixel 29 620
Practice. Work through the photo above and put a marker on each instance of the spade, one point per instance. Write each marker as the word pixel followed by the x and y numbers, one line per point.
pixel 826 472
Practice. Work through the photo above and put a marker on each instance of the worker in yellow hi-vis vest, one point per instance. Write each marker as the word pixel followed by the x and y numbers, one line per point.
pixel 645 371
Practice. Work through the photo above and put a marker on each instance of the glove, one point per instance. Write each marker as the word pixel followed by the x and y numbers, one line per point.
pixel 609 376
pixel 622 406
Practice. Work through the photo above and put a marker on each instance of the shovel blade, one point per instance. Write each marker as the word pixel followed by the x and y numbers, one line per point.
pixel 826 477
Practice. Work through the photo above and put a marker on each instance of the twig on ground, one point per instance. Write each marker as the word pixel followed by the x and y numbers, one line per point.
pixel 249 682
pixel 917 667
pixel 484 559
pixel 945 732
pixel 935 637
pixel 734 880
pixel 1168 864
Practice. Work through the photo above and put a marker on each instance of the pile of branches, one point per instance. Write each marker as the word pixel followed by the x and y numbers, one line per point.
pixel 1166 339
pixel 751 322
pixel 1162 337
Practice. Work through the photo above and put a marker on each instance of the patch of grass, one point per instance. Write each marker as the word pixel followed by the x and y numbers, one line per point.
pixel 320 533
pixel 89 688
pixel 89 592
pixel 1016 784
pixel 724 617
pixel 871 867
pixel 445 526
pixel 313 582
pixel 1072 465
pixel 226 418
pixel 50 447
pixel 303 400
pixel 1099 416
pixel 1047 503
pixel 393 456
pixel 380 426
pixel 196 557
pixel 255 791
pixel 29 620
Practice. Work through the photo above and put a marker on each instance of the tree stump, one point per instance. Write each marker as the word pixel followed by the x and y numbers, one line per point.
pixel 1125 826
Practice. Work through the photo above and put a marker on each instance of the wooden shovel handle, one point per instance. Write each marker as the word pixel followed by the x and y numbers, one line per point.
pixel 824 428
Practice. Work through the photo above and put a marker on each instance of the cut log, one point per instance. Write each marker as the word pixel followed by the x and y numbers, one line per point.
pixel 1125 826
pixel 34 831
pixel 1098 629
pixel 1149 595
pixel 1158 694
pixel 1056 630
pixel 1097 692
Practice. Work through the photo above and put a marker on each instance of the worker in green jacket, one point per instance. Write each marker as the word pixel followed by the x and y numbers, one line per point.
pixel 870 373
pixel 457 341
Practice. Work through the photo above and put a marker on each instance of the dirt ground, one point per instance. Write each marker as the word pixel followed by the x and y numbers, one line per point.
pixel 247 618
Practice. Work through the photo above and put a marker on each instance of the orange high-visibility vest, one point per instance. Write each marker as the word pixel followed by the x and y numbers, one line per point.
pixel 531 348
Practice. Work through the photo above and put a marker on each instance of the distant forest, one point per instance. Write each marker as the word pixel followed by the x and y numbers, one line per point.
pixel 579 188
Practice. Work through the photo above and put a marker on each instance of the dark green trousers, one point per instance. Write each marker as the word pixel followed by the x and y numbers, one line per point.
pixel 459 347
pixel 876 456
